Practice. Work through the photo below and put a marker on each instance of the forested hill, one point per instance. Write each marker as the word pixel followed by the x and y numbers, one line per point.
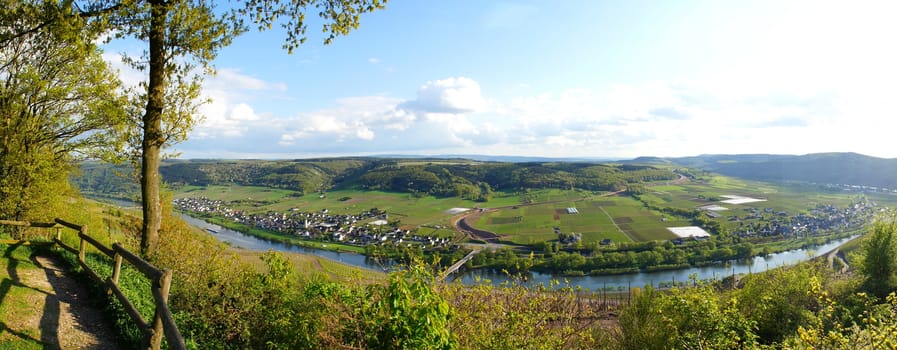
pixel 823 168
pixel 439 177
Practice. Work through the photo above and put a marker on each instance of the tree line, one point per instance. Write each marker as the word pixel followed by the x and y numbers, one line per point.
pixel 473 181
pixel 477 181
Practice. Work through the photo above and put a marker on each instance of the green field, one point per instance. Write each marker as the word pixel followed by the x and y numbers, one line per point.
pixel 620 219
pixel 790 198
pixel 530 217
pixel 411 210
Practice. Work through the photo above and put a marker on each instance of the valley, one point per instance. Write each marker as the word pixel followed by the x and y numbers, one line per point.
pixel 529 223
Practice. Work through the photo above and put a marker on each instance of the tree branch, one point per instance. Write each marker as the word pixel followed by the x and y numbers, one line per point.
pixel 41 25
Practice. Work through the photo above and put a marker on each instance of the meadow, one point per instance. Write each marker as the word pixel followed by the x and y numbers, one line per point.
pixel 533 216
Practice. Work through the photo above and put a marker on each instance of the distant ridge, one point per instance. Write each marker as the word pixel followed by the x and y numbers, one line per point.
pixel 845 168
pixel 509 159
pixel 309 175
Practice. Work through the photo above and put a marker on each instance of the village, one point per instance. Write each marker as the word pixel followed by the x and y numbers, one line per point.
pixel 823 218
pixel 368 227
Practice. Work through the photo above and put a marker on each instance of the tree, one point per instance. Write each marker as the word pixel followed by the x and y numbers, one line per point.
pixel 183 36
pixel 58 102
pixel 880 260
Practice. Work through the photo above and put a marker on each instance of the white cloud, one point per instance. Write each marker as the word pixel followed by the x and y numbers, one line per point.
pixel 243 112
pixel 451 95
pixel 352 119
pixel 229 114
pixel 373 60
pixel 655 118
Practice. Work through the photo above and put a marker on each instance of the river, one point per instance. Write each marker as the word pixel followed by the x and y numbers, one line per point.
pixel 716 271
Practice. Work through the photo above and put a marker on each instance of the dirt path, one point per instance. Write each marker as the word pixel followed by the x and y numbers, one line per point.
pixel 60 312
pixel 615 224
pixel 462 225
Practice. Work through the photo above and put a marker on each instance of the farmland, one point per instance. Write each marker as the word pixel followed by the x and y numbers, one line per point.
pixel 618 218
pixel 410 210
pixel 529 217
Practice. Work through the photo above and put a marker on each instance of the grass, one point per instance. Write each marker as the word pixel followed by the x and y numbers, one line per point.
pixel 18 301
pixel 413 211
pixel 307 266
pixel 619 218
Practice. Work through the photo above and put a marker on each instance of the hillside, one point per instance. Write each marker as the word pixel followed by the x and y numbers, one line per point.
pixel 439 177
pixel 821 168
pixel 466 177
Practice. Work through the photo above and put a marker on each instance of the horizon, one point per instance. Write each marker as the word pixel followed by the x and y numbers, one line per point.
pixel 500 157
pixel 559 80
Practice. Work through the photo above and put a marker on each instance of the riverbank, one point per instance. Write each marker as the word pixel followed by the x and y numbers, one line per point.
pixel 309 266
pixel 278 237
pixel 763 251
pixel 620 282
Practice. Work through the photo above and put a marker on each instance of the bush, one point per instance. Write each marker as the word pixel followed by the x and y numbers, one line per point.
pixel 692 318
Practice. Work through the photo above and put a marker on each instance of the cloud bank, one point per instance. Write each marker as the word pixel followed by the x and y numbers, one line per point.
pixel 451 115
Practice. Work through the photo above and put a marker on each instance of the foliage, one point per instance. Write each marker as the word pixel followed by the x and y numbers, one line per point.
pixel 693 318
pixel 879 263
pixel 180 36
pixel 221 303
pixel 513 317
pixel 875 328
pixel 467 180
pixel 777 300
pixel 463 179
pixel 407 314
pixel 58 101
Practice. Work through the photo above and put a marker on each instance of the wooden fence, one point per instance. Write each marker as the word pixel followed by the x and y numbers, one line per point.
pixel 160 280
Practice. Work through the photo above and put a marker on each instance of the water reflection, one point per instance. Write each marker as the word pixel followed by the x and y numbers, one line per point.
pixel 717 271
pixel 242 240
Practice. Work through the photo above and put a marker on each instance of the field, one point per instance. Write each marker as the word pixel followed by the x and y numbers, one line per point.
pixel 620 219
pixel 790 198
pixel 411 210
pixel 536 216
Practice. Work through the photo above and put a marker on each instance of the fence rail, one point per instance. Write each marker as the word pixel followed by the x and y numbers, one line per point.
pixel 162 323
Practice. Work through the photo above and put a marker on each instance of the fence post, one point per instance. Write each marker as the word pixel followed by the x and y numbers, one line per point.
pixel 83 247
pixel 116 268
pixel 164 284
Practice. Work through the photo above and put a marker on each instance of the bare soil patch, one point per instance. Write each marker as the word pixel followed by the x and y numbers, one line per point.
pixel 558 213
pixel 623 220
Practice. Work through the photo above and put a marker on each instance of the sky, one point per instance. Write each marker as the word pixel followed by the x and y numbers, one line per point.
pixel 602 79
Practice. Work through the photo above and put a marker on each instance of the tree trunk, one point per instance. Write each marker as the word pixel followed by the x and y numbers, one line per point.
pixel 152 131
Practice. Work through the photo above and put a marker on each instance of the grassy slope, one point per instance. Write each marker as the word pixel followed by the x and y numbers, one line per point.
pixel 89 211
pixel 309 266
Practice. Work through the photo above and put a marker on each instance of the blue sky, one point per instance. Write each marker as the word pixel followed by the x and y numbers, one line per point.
pixel 563 79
